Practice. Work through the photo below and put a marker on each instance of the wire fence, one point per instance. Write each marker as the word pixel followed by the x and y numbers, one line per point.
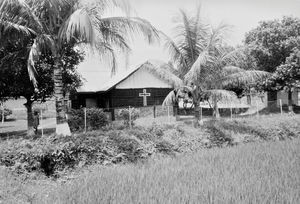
pixel 17 121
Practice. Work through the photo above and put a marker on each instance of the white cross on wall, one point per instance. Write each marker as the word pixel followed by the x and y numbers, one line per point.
pixel 144 95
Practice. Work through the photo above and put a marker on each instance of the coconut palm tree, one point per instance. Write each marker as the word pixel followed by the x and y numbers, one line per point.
pixel 56 24
pixel 199 51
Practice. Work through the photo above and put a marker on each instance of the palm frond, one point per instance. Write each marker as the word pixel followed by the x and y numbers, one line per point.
pixel 228 70
pixel 189 34
pixel 34 53
pixel 77 27
pixel 112 36
pixel 176 56
pixel 170 99
pixel 221 94
pixel 203 59
pixel 244 78
pixel 107 54
pixel 129 26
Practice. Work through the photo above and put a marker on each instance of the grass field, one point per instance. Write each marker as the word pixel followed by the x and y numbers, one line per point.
pixel 262 167
pixel 252 173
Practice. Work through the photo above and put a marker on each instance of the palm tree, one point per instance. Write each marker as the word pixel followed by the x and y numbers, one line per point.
pixel 199 51
pixel 56 24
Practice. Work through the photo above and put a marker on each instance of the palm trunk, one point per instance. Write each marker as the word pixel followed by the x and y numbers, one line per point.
pixel 290 103
pixel 30 128
pixel 62 127
pixel 216 112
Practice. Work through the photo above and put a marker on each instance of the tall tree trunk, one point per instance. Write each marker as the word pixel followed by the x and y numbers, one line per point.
pixel 30 128
pixel 216 112
pixel 62 127
pixel 290 103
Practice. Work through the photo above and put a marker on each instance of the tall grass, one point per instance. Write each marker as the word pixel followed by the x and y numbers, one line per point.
pixel 254 173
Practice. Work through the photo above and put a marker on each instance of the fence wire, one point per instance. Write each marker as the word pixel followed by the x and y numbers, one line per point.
pixel 17 121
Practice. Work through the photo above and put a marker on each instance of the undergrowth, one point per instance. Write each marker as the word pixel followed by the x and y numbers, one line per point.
pixel 54 154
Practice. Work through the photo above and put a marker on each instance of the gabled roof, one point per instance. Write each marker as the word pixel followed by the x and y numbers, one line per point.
pixel 158 68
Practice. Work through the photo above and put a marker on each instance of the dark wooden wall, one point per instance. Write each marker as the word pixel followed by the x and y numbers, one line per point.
pixel 116 98
pixel 130 97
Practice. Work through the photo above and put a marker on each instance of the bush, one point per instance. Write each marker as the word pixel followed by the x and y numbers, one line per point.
pixel 124 115
pixel 7 112
pixel 95 119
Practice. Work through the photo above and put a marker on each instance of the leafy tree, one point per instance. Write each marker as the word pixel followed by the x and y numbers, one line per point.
pixel 57 23
pixel 15 82
pixel 202 57
pixel 273 45
pixel 286 76
pixel 273 41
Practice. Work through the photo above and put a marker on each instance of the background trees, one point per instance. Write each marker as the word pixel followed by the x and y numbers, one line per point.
pixel 274 45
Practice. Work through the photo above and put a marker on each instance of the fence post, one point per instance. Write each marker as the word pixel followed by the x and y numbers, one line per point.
pixel 230 110
pixel 84 119
pixel 154 111
pixel 42 123
pixel 129 111
pixel 257 109
pixel 200 112
pixel 280 103
pixel 168 113
pixel 2 112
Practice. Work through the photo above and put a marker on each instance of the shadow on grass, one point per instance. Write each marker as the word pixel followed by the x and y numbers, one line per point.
pixel 23 134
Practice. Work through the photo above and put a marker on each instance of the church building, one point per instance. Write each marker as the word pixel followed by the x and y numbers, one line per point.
pixel 145 85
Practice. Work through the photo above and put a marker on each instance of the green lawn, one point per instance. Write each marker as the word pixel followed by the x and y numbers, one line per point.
pixel 253 173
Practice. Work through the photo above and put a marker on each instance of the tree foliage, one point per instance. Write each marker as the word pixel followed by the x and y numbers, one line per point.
pixel 273 41
pixel 286 76
pixel 203 58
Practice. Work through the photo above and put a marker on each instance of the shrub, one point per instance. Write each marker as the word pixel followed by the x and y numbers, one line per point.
pixel 95 119
pixel 124 115
pixel 7 112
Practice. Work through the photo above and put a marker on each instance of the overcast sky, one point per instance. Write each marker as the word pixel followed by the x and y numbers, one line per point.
pixel 243 15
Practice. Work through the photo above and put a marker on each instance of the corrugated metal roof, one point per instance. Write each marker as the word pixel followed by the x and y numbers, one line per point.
pixel 155 67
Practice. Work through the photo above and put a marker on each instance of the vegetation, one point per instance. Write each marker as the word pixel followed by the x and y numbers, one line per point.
pixel 129 116
pixel 95 119
pixel 262 173
pixel 203 59
pixel 115 144
pixel 265 172
pixel 53 25
pixel 274 45
pixel 4 113
pixel 16 82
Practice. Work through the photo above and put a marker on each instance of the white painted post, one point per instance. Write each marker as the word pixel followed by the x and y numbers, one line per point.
pixel 200 112
pixel 169 113
pixel 129 111
pixel 42 123
pixel 84 119
pixel 280 103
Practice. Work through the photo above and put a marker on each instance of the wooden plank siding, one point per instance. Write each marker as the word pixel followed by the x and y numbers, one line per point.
pixel 130 97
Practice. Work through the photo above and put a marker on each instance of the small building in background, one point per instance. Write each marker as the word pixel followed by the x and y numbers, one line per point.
pixel 276 96
pixel 145 85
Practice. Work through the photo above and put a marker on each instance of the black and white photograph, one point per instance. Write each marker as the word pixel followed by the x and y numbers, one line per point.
pixel 149 101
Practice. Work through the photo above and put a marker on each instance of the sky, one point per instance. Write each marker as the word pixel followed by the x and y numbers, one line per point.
pixel 243 15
